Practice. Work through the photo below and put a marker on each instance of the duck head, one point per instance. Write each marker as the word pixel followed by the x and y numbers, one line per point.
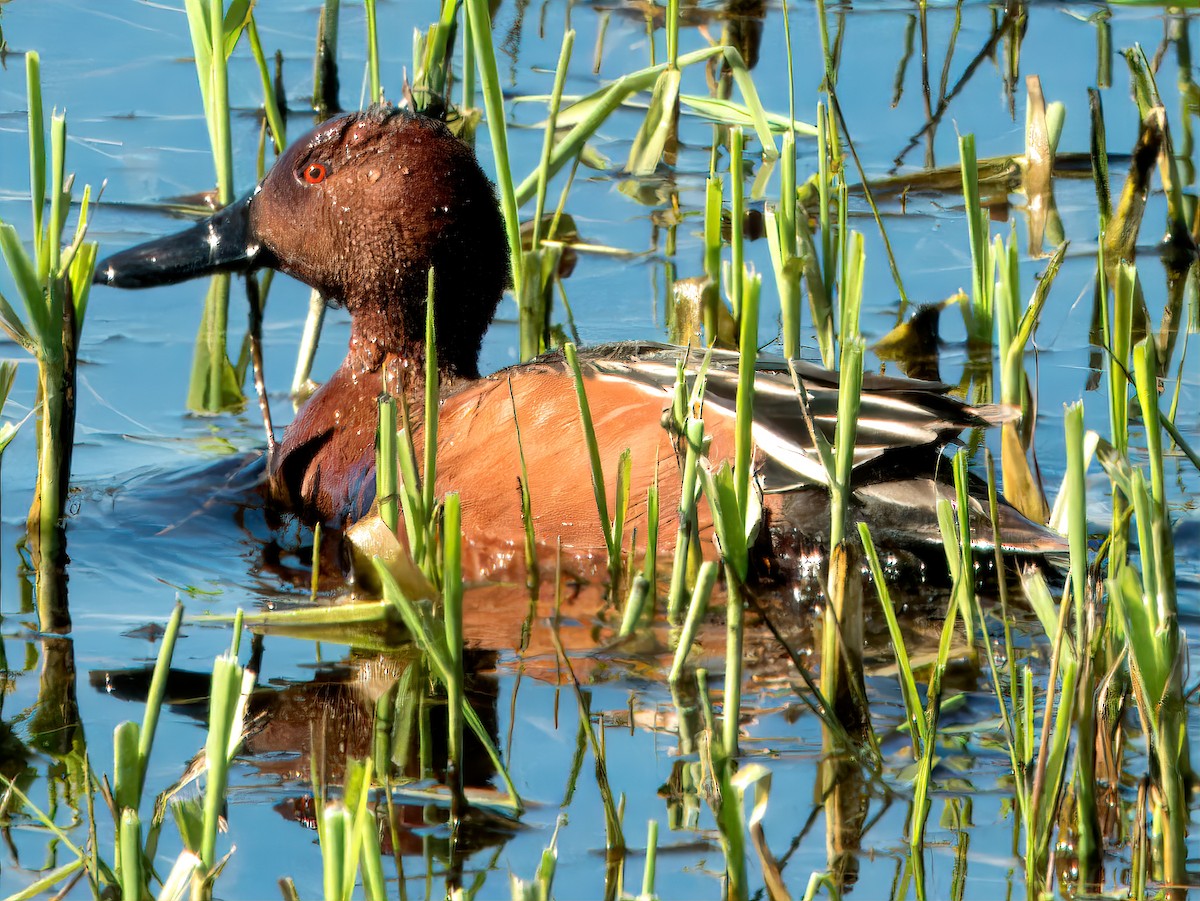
pixel 360 208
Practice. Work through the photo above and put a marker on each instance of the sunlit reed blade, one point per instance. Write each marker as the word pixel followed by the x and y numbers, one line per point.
pixel 213 387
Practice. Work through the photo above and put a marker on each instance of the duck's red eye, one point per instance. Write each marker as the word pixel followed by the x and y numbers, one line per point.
pixel 314 174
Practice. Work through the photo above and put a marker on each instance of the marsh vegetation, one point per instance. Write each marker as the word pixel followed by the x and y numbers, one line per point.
pixel 998 196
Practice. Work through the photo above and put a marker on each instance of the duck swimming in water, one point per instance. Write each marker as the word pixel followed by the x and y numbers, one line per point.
pixel 362 206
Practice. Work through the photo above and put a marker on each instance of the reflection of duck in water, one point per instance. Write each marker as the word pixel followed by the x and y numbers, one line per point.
pixel 368 706
pixel 363 206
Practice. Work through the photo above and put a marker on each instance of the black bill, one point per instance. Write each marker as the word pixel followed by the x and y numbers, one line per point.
pixel 221 243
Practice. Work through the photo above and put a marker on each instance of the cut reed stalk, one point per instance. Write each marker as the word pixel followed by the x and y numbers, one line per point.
pixel 53 285
pixel 325 72
pixel 783 243
pixel 978 314
pixel 224 736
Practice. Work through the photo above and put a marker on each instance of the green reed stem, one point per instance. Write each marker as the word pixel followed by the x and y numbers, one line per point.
pixel 827 54
pixel 737 213
pixel 1089 840
pixel 479 22
pixel 1058 716
pixel 130 831
pixel 1008 315
pixel 532 570
pixel 824 187
pixel 928 727
pixel 1120 342
pixel 914 714
pixel 689 492
pixel 560 78
pixel 696 611
pixel 270 106
pixel 417 518
pixel 781 235
pixel 1118 334
pixel 307 351
pixel 468 70
pixel 635 605
pixel 366 832
pixel 747 369
pixel 316 563
pixel 213 387
pixel 735 612
pixel 223 713
pixel 850 381
pixel 650 563
pixel 37 142
pixel 979 313
pixel 452 614
pixel 156 695
pixel 432 401
pixel 335 837
pixel 373 52
pixel 206 21
pixel 125 769
pixel 651 859
pixel 965 589
pixel 714 191
pixel 53 284
pixel 386 483
pixel 612 537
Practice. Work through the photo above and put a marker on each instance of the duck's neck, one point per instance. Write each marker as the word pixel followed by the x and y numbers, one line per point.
pixel 402 359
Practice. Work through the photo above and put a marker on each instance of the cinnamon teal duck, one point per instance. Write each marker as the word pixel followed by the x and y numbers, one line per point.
pixel 362 206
